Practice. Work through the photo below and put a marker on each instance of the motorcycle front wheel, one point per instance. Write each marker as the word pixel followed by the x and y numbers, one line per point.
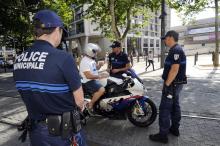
pixel 143 116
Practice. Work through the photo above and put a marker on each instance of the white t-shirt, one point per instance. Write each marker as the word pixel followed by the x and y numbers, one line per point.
pixel 87 64
pixel 150 56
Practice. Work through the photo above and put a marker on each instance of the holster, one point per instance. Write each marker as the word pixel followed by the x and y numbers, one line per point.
pixel 54 124
pixel 76 121
pixel 25 126
pixel 65 124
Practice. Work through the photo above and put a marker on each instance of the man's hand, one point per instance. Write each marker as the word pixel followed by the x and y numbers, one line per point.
pixel 167 90
pixel 115 70
pixel 101 63
pixel 108 70
pixel 103 75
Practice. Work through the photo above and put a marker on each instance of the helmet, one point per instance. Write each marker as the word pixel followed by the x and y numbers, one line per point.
pixel 91 50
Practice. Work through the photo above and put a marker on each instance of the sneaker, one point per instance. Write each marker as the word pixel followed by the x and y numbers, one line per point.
pixel 158 138
pixel 174 132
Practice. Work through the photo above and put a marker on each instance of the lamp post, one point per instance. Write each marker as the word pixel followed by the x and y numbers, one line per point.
pixel 162 17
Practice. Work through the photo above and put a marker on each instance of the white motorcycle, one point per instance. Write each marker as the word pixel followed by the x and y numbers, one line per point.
pixel 125 98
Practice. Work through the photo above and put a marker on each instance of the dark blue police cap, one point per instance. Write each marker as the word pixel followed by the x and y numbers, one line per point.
pixel 116 44
pixel 48 19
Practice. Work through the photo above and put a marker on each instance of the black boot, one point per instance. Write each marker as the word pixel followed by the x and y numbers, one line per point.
pixel 159 138
pixel 174 132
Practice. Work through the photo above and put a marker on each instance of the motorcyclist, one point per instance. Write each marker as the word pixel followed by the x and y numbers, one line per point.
pixel 89 72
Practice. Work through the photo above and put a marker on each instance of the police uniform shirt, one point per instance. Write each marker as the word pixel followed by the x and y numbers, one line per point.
pixel 175 56
pixel 45 78
pixel 118 61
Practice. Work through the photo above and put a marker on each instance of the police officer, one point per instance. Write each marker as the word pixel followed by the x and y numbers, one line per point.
pixel 174 76
pixel 49 84
pixel 118 61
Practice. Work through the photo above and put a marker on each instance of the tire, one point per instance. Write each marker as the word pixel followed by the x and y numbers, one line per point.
pixel 149 105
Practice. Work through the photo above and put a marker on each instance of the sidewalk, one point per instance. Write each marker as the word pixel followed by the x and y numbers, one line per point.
pixel 200 107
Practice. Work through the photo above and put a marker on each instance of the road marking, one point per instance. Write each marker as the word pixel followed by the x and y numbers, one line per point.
pixel 201 117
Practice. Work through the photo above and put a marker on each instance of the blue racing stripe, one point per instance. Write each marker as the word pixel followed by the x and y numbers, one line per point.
pixel 39 83
pixel 40 90
pixel 41 87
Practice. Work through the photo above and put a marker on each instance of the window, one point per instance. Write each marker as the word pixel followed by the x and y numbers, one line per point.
pixel 152 34
pixel 79 14
pixel 152 20
pixel 151 27
pixel 145 42
pixel 156 28
pixel 203 44
pixel 151 43
pixel 80 28
pixel 157 43
pixel 146 33
pixel 156 20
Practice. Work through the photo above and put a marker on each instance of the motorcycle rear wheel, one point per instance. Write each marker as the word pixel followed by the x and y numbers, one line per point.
pixel 143 120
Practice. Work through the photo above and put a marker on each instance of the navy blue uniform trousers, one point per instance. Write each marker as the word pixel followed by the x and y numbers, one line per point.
pixel 40 136
pixel 169 111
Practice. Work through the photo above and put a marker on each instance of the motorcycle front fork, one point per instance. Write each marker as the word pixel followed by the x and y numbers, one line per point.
pixel 138 109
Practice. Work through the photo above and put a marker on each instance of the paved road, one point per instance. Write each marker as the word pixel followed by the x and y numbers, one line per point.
pixel 200 97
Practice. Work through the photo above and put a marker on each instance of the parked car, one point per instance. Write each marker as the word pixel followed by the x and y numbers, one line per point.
pixel 7 64
pixel 1 63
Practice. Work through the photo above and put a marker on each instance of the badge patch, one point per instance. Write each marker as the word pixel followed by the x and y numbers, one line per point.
pixel 176 56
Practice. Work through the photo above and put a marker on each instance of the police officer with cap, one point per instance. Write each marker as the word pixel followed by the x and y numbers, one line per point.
pixel 49 84
pixel 118 61
pixel 174 76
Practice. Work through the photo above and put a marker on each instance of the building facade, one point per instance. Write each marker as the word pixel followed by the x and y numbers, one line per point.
pixel 83 31
pixel 7 54
pixel 198 36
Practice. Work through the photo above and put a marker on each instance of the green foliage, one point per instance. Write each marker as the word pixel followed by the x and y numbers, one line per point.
pixel 15 20
pixel 188 10
pixel 99 12
pixel 62 7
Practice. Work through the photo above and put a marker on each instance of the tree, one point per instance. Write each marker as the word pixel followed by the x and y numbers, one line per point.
pixel 114 16
pixel 16 15
pixel 189 8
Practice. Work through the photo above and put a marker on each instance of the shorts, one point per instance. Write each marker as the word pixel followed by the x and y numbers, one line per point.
pixel 93 86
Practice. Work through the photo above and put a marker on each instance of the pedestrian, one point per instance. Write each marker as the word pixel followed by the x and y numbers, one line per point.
pixel 174 76
pixel 150 59
pixel 49 84
pixel 131 59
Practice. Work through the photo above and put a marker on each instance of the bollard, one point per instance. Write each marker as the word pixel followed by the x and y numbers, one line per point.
pixel 197 56
pixel 213 56
pixel 195 59
pixel 5 66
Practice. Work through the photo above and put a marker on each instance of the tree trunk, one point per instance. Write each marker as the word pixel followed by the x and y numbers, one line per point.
pixel 113 23
pixel 128 26
pixel 216 56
